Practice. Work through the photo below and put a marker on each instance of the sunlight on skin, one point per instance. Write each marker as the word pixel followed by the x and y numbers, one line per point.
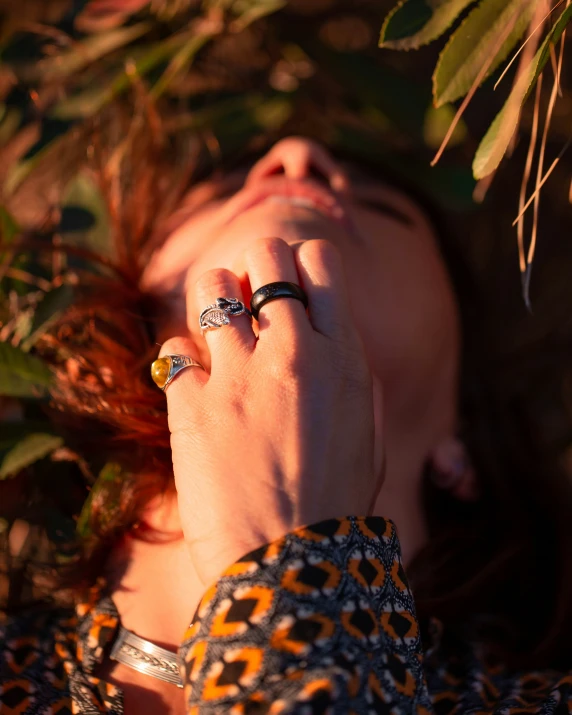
pixel 406 315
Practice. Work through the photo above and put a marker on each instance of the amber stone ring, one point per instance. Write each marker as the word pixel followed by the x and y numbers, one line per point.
pixel 166 368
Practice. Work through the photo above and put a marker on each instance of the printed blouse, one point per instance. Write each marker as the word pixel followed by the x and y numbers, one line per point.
pixel 319 621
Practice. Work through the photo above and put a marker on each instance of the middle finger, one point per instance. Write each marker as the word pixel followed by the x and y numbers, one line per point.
pixel 269 260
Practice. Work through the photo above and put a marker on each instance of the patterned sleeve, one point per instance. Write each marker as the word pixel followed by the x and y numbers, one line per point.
pixel 321 620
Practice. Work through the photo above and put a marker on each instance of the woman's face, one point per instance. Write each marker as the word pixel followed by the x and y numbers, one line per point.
pixel 399 289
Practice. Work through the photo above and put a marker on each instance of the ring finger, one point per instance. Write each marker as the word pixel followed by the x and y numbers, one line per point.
pixel 269 260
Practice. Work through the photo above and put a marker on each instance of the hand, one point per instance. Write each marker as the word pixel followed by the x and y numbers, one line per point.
pixel 281 433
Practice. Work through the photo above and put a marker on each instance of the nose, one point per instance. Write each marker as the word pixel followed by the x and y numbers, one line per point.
pixel 300 158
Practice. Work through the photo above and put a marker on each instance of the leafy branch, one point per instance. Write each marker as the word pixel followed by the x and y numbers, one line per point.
pixel 477 47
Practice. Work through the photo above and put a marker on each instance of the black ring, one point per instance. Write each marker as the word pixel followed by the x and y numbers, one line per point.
pixel 272 291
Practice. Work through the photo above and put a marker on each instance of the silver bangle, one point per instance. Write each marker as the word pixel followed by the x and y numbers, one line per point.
pixel 146 657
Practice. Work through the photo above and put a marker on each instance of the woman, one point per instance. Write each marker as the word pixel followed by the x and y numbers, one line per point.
pixel 300 450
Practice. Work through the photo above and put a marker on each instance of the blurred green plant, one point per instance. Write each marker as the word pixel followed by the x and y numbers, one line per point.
pixel 105 485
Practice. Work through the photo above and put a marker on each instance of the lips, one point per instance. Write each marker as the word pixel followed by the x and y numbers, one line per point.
pixel 311 195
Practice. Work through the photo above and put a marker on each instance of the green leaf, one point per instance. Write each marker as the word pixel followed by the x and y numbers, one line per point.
pixel 22 326
pixel 85 221
pixel 109 475
pixel 50 130
pixel 9 123
pixel 53 132
pixel 29 450
pixel 8 227
pixel 21 374
pixel 496 141
pixel 182 60
pixel 474 43
pixel 142 60
pixel 17 173
pixel 83 53
pixel 237 119
pixel 251 10
pixel 14 432
pixel 82 104
pixel 414 23
pixel 543 54
pixel 437 123
pixel 47 313
pixel 273 113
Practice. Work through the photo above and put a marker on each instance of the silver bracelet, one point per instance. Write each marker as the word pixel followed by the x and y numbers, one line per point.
pixel 146 657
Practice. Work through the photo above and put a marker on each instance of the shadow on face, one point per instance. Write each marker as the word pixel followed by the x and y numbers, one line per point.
pixel 400 292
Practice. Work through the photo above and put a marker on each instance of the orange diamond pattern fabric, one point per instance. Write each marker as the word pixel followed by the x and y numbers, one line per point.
pixel 320 621
pixel 323 621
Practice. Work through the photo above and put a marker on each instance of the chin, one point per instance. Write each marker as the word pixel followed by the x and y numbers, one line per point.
pixel 292 224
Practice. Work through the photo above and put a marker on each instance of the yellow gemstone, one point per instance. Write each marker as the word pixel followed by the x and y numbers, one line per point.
pixel 160 371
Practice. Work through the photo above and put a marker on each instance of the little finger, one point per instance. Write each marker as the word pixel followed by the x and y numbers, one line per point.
pixel 322 276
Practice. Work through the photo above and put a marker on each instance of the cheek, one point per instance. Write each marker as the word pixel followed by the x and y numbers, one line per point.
pixel 404 309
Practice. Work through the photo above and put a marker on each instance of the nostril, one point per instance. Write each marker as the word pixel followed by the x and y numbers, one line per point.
pixel 264 168
pixel 298 160
pixel 276 170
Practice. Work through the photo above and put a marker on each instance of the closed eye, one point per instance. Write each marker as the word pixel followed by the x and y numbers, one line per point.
pixel 387 209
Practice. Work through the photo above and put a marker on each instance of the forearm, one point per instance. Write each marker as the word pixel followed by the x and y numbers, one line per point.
pixel 322 617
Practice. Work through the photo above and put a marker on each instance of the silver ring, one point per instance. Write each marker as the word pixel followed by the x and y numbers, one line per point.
pixel 166 368
pixel 218 314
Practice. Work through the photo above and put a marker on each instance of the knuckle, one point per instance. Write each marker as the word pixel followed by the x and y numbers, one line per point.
pixel 263 247
pixel 321 251
pixel 217 280
pixel 294 365
pixel 175 346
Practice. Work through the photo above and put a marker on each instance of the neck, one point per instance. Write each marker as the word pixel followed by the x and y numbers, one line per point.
pixel 400 498
pixel 153 581
pixel 405 509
